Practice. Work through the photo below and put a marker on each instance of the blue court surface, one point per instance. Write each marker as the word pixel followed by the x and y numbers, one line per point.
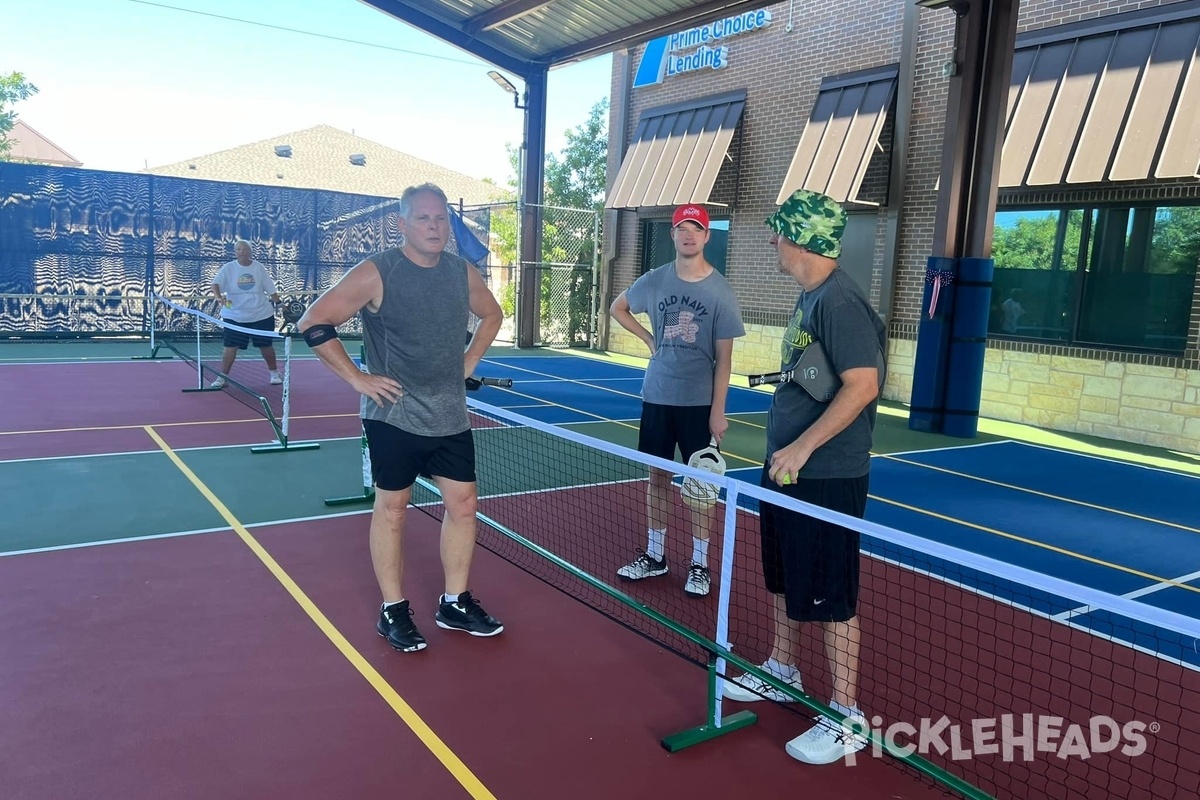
pixel 1115 527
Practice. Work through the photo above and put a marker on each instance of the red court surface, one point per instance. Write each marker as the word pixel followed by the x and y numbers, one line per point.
pixel 92 408
pixel 181 668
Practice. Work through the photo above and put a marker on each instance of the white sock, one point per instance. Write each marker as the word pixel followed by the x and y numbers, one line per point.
pixel 658 543
pixel 386 606
pixel 779 669
pixel 845 710
pixel 451 598
pixel 700 552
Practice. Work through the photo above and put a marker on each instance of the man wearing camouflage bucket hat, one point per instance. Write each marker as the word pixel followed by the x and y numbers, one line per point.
pixel 818 452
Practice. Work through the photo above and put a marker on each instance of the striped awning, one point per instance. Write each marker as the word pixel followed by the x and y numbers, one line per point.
pixel 1114 99
pixel 842 134
pixel 677 153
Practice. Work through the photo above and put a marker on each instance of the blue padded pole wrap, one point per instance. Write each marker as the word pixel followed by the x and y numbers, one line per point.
pixel 933 346
pixel 968 346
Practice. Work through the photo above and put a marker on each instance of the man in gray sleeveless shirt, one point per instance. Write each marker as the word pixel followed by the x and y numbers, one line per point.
pixel 415 302
pixel 695 317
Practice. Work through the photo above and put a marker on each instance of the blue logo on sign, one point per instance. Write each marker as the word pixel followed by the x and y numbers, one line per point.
pixel 662 57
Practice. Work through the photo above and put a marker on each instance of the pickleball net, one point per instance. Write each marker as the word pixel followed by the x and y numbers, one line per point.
pixel 988 679
pixel 198 339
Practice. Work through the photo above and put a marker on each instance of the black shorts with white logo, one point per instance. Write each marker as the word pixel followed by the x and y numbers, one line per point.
pixel 398 457
pixel 814 564
pixel 664 427
pixel 239 339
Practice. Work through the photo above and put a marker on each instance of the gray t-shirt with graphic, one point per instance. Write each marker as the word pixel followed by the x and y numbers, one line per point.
pixel 687 320
pixel 839 316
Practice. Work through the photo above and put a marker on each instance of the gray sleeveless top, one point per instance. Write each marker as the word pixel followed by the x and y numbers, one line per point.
pixel 416 338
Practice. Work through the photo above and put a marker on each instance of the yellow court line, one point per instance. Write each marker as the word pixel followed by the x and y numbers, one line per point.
pixel 440 750
pixel 1036 543
pixel 1047 495
pixel 172 424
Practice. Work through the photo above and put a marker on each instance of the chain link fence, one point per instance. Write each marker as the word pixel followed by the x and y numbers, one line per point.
pixel 566 276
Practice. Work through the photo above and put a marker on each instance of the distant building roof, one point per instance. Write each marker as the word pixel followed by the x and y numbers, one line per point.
pixel 325 157
pixel 29 145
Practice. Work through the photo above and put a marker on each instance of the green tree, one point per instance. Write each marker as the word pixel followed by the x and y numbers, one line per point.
pixel 1176 245
pixel 13 89
pixel 575 179
pixel 1029 244
pixel 574 184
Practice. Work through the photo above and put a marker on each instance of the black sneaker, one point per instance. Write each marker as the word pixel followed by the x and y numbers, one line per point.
pixel 643 567
pixel 467 615
pixel 396 625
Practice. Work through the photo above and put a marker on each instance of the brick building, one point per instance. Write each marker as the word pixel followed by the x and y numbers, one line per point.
pixel 1095 325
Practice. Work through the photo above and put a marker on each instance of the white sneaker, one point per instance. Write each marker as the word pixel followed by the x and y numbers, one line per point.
pixel 218 383
pixel 698 581
pixel 275 379
pixel 828 741
pixel 643 567
pixel 750 688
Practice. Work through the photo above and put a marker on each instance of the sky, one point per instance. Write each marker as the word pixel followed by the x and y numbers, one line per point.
pixel 126 84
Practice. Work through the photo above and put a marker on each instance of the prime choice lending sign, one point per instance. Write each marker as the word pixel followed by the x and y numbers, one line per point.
pixel 696 48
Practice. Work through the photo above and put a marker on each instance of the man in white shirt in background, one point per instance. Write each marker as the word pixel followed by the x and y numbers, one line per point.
pixel 247 295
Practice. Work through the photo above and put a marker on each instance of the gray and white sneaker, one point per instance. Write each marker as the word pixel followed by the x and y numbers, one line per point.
pixel 218 383
pixel 750 688
pixel 698 581
pixel 828 741
pixel 643 567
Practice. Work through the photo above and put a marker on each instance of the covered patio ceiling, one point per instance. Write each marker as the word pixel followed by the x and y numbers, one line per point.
pixel 529 36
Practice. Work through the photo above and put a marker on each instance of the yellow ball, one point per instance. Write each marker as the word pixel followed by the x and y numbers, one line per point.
pixel 787 478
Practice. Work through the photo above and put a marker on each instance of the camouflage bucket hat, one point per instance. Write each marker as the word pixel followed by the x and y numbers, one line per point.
pixel 812 220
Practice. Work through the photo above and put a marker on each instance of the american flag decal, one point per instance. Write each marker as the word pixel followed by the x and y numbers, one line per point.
pixel 680 325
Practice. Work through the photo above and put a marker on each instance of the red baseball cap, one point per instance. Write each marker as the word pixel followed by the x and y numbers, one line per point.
pixel 690 213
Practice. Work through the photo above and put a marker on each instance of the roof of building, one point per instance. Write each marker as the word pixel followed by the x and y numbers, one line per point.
pixel 324 157
pixel 29 145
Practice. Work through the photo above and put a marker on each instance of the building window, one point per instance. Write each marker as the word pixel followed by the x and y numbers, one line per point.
pixel 658 249
pixel 1111 276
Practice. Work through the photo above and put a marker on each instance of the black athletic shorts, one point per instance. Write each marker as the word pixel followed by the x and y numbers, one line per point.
pixel 664 427
pixel 240 340
pixel 398 457
pixel 811 562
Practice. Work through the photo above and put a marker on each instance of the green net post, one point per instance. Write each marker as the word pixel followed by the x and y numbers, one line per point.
pixel 714 723
pixel 368 485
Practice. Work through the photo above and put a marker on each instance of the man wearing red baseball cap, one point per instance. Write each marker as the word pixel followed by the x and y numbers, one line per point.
pixel 690 213
pixel 694 317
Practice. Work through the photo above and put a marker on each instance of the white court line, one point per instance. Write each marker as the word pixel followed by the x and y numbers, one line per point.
pixel 552 378
pixel 197 532
pixel 1157 587
pixel 104 360
pixel 1012 602
pixel 159 451
pixel 82 545
pixel 19 362
pixel 1108 459
pixel 945 449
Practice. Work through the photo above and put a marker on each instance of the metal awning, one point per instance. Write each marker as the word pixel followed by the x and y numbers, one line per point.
pixel 842 134
pixel 1114 99
pixel 677 152
pixel 527 35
